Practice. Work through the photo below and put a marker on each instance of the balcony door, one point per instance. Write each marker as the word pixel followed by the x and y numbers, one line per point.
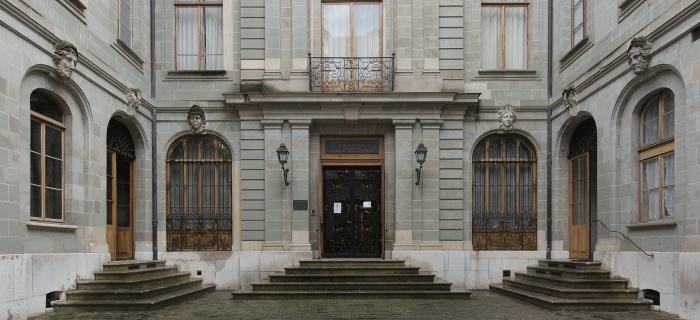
pixel 351 45
pixel 120 191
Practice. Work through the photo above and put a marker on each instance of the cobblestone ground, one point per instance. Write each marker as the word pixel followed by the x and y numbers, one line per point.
pixel 482 305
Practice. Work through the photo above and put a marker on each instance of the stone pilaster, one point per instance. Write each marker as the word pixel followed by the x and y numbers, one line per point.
pixel 430 186
pixel 404 185
pixel 300 184
pixel 274 186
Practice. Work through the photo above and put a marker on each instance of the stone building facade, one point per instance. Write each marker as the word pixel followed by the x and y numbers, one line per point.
pixel 175 114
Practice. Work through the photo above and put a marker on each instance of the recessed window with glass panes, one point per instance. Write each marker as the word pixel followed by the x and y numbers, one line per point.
pixel 504 34
pixel 199 35
pixel 578 21
pixel 46 158
pixel 125 22
pixel 656 157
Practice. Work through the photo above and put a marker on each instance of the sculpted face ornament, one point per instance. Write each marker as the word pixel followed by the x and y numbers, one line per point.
pixel 506 117
pixel 570 100
pixel 65 58
pixel 638 54
pixel 133 100
pixel 196 118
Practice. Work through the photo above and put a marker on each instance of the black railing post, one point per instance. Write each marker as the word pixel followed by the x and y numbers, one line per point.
pixel 393 70
pixel 311 74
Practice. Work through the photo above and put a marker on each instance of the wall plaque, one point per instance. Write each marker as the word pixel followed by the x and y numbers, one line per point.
pixel 352 147
pixel 300 205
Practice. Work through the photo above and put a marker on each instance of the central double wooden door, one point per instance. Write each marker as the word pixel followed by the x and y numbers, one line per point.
pixel 352 212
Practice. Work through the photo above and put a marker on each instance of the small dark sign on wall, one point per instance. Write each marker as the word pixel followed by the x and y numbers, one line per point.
pixel 352 146
pixel 300 205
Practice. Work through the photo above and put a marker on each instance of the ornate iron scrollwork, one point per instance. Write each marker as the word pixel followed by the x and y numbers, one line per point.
pixel 119 139
pixel 583 139
pixel 366 74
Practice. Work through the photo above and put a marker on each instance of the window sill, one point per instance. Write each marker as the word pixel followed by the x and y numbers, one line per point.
pixel 661 224
pixel 76 7
pixel 575 53
pixel 129 54
pixel 196 75
pixel 508 74
pixel 36 225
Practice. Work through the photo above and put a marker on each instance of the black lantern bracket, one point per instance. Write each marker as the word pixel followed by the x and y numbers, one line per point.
pixel 421 152
pixel 283 156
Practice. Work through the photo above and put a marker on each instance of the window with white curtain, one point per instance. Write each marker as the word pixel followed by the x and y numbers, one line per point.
pixel 46 158
pixel 199 210
pixel 504 34
pixel 199 35
pixel 578 21
pixel 351 29
pixel 503 215
pixel 656 157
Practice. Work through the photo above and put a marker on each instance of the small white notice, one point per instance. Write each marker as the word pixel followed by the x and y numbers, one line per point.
pixel 366 204
pixel 337 207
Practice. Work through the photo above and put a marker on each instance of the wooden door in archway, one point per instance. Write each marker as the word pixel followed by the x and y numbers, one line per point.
pixel 579 207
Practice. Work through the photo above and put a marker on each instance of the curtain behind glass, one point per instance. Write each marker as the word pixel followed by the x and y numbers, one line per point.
pixel 212 38
pixel 650 189
pixel 491 37
pixel 668 185
pixel 336 30
pixel 366 27
pixel 516 38
pixel 187 38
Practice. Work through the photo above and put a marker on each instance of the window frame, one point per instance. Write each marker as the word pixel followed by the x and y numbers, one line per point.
pixel 504 4
pixel 130 3
pixel 199 4
pixel 501 161
pixel 657 149
pixel 582 23
pixel 184 141
pixel 45 121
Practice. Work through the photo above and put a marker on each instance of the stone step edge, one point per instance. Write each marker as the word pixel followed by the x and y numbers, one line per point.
pixel 569 270
pixel 571 290
pixel 130 291
pixel 571 280
pixel 551 300
pixel 143 302
pixel 357 294
pixel 136 272
pixel 136 280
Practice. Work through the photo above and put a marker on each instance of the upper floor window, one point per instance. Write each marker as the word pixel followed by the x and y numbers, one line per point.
pixel 351 29
pixel 656 157
pixel 125 22
pixel 199 35
pixel 578 21
pixel 504 34
pixel 46 158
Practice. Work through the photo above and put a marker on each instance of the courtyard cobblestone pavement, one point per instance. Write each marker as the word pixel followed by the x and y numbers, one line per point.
pixel 482 305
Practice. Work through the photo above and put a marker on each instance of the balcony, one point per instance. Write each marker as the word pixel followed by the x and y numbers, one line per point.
pixel 342 74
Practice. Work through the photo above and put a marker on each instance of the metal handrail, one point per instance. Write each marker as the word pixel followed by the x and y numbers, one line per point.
pixel 623 235
pixel 351 74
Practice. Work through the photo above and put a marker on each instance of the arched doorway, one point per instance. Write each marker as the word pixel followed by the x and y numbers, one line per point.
pixel 120 191
pixel 582 192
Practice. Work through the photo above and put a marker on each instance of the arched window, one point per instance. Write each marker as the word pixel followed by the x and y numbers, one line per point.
pixel 656 157
pixel 504 216
pixel 199 194
pixel 46 157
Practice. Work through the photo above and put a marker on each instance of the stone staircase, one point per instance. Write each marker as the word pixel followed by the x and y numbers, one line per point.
pixel 572 285
pixel 344 278
pixel 132 286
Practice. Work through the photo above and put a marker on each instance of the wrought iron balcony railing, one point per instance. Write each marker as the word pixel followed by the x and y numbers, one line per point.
pixel 341 74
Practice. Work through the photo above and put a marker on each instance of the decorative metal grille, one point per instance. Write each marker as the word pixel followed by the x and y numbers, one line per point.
pixel 583 139
pixel 199 195
pixel 504 188
pixel 342 74
pixel 352 212
pixel 119 139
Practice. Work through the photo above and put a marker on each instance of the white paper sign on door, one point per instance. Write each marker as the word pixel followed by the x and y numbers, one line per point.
pixel 337 207
pixel 367 204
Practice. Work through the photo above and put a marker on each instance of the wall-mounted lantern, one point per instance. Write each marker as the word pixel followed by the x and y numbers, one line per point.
pixel 283 156
pixel 421 152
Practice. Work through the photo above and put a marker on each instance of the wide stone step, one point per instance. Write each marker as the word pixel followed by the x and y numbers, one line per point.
pixel 555 303
pixel 572 283
pixel 570 273
pixel 349 286
pixel 352 270
pixel 122 265
pixel 356 294
pixel 131 294
pixel 345 263
pixel 568 293
pixel 351 278
pixel 157 280
pixel 571 264
pixel 134 273
pixel 132 305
